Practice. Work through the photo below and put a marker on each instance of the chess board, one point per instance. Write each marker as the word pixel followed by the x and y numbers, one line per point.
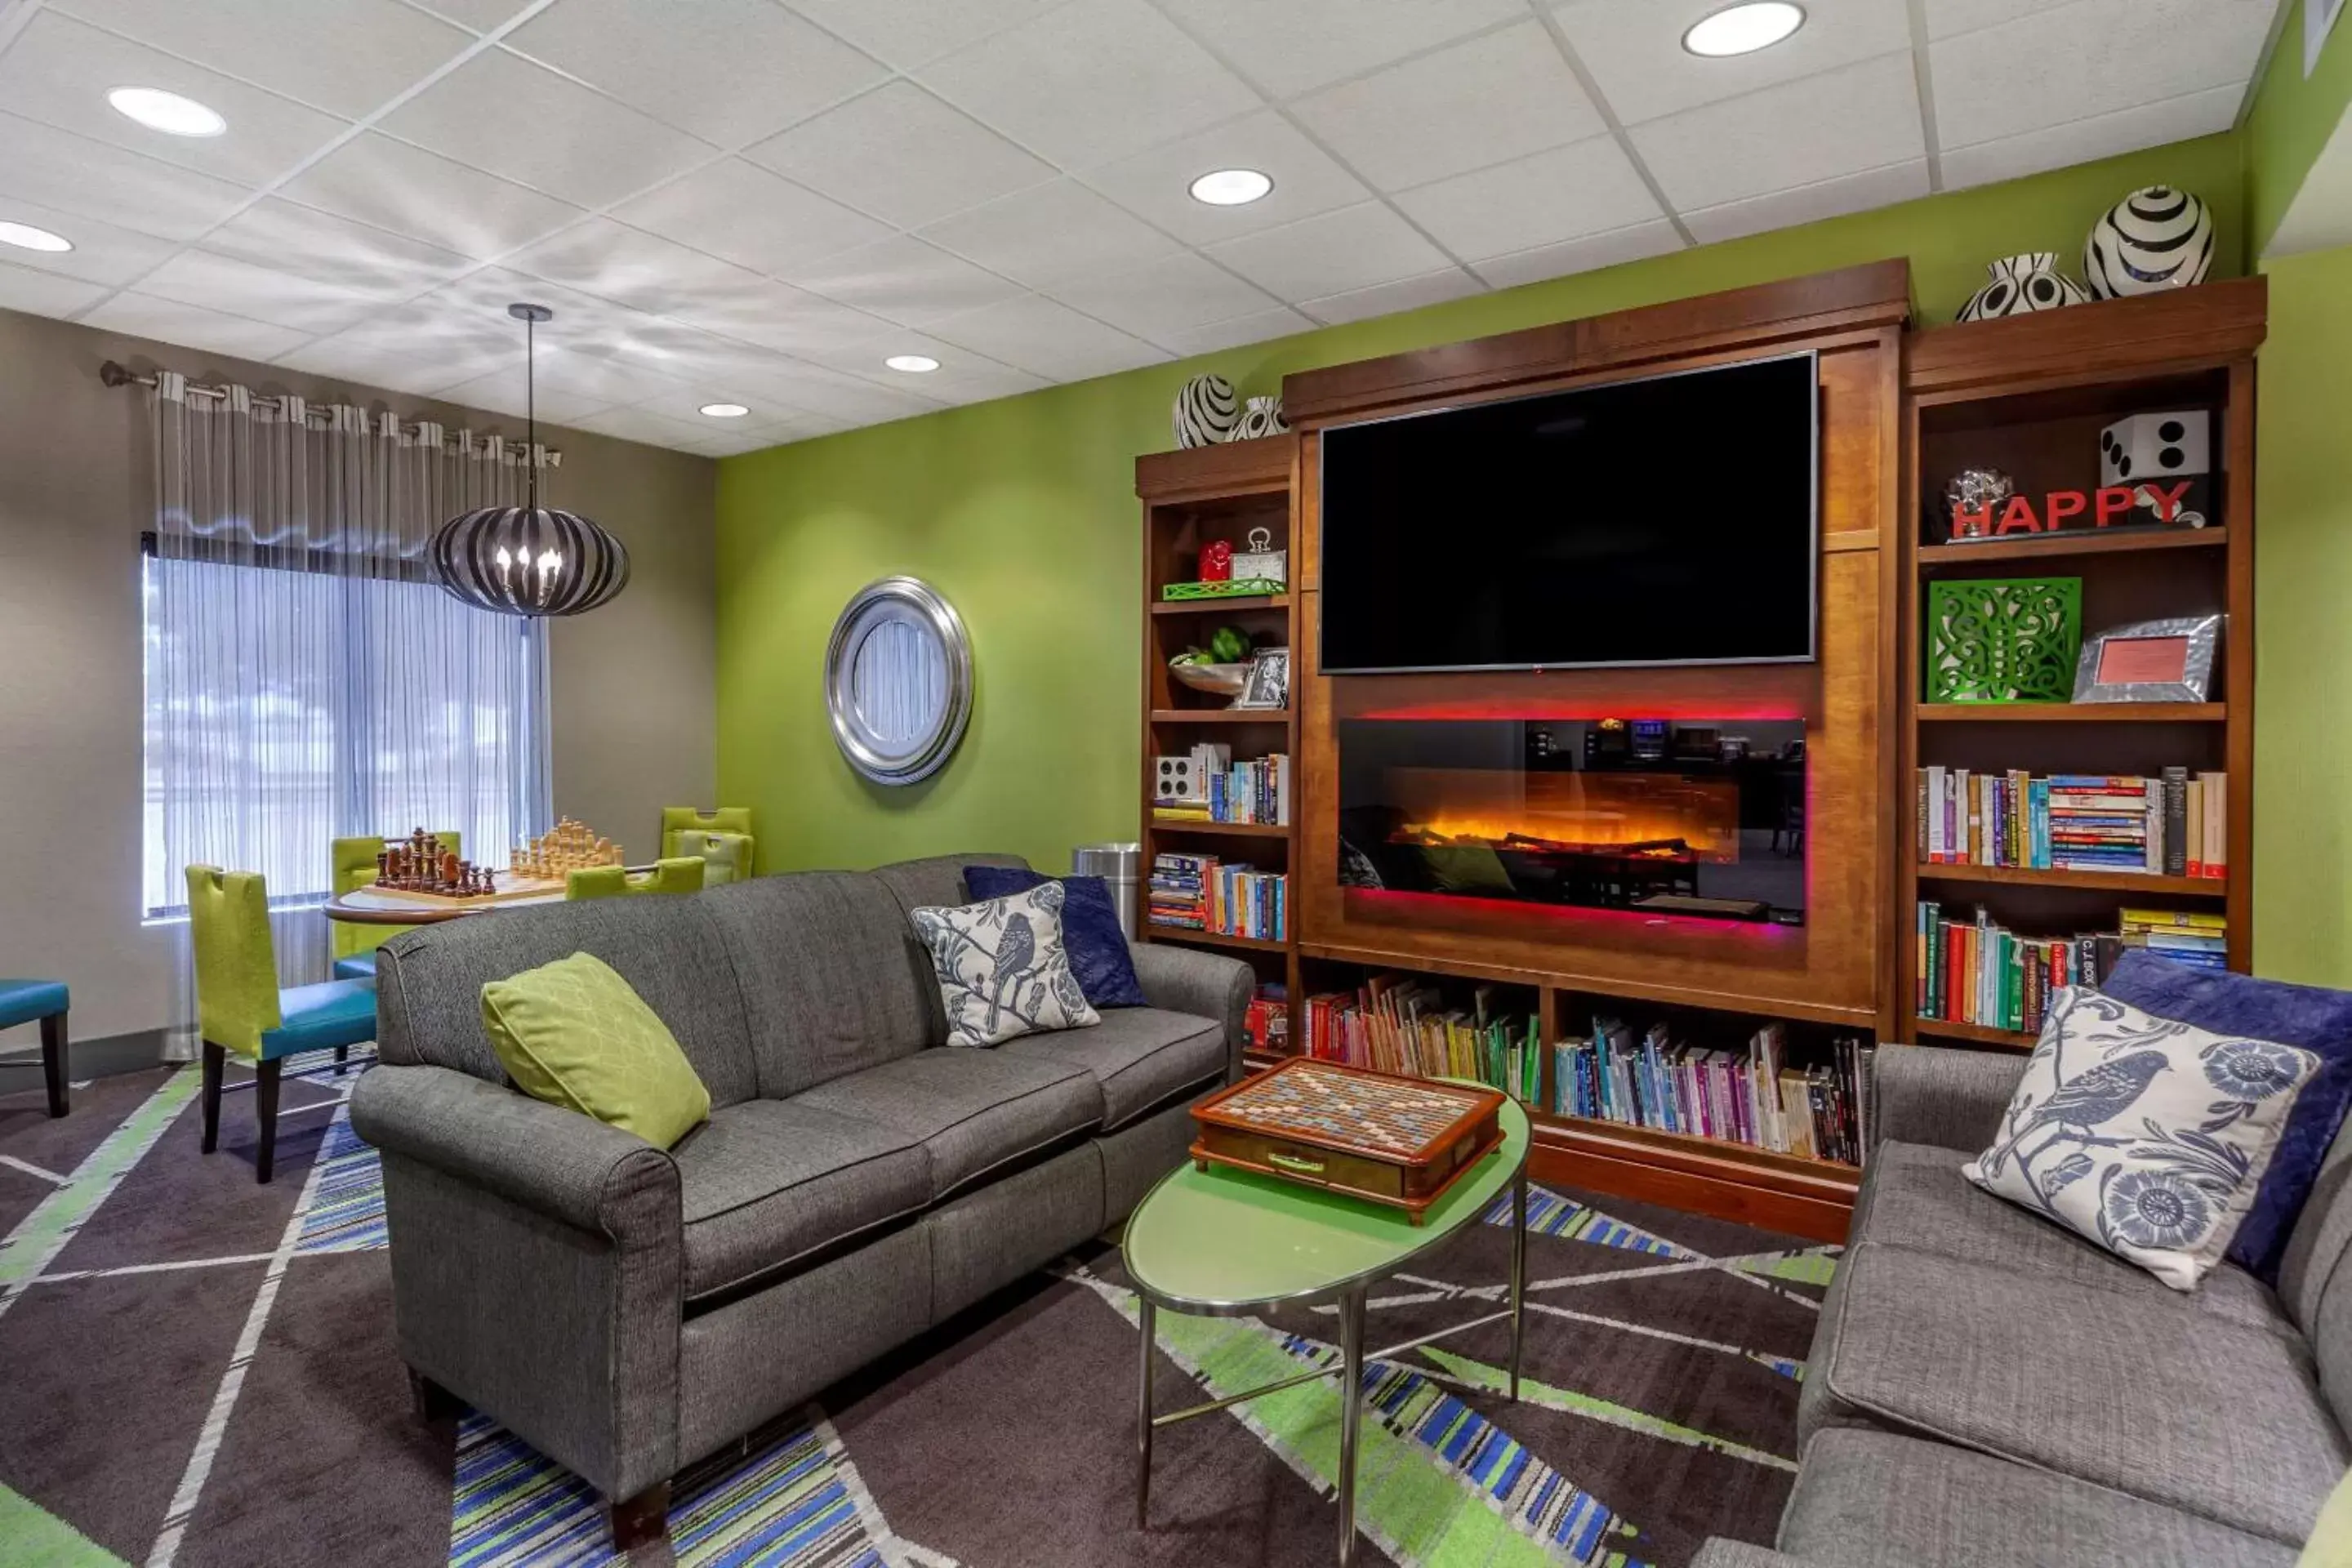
pixel 1395 1141
pixel 511 887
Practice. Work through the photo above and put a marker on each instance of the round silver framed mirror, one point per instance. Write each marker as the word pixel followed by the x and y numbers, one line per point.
pixel 898 680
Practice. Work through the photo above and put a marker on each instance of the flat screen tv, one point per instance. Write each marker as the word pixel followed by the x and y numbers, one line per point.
pixel 1671 519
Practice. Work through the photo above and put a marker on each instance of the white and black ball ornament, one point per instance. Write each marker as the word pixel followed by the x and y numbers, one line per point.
pixel 2156 239
pixel 1206 411
pixel 2021 284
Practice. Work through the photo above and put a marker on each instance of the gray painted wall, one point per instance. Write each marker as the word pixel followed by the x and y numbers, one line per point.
pixel 633 718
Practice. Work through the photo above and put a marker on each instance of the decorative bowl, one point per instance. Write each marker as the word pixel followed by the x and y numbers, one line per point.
pixel 1224 679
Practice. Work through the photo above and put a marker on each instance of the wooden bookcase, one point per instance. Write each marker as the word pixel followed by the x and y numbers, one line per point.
pixel 2029 395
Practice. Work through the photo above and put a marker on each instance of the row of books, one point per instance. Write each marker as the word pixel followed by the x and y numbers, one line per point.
pixel 1401 1023
pixel 1750 1095
pixel 1979 971
pixel 2173 824
pixel 1243 793
pixel 1199 892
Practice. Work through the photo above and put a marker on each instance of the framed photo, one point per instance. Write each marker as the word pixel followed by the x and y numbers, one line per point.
pixel 1267 685
pixel 2150 661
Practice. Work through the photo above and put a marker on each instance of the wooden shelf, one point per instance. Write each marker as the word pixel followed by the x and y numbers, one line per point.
pixel 1209 606
pixel 2103 882
pixel 1221 715
pixel 1213 939
pixel 1720 1148
pixel 2027 547
pixel 1982 1034
pixel 1220 829
pixel 2073 713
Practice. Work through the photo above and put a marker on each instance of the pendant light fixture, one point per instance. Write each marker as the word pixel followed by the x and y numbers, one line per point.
pixel 528 559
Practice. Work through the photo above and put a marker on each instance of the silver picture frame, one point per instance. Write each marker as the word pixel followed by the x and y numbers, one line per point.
pixel 1267 684
pixel 898 680
pixel 2202 635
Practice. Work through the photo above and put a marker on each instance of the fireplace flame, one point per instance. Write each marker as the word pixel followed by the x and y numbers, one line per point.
pixel 1569 812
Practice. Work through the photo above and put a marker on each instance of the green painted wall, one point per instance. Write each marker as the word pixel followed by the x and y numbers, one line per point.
pixel 1022 512
pixel 2291 120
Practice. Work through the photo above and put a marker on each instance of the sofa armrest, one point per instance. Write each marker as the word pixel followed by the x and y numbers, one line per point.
pixel 557 1162
pixel 1950 1099
pixel 1206 984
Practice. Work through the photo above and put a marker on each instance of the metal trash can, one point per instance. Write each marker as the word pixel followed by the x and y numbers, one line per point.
pixel 1122 866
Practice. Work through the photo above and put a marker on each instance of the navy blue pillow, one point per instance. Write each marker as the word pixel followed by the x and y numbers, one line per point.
pixel 2312 1016
pixel 1090 933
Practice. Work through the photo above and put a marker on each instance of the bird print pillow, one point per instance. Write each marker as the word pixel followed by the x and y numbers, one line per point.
pixel 1001 969
pixel 2146 1136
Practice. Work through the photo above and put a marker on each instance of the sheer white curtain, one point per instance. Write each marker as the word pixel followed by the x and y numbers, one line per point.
pixel 306 678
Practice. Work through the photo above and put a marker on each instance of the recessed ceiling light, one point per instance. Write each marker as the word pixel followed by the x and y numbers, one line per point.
pixel 25 235
pixel 166 111
pixel 1231 187
pixel 1744 29
pixel 725 410
pixel 913 364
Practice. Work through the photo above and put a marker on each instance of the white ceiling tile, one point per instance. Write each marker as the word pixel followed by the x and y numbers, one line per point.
pixel 778 316
pixel 1482 101
pixel 2085 140
pixel 1256 327
pixel 480 16
pixel 1091 81
pixel 508 391
pixel 1295 45
pixel 1947 17
pixel 1388 298
pixel 258 293
pixel 2094 57
pixel 750 217
pixel 393 186
pixel 736 444
pixel 1565 193
pixel 101 253
pixel 631 267
pixel 1335 253
pixel 330 249
pixel 1810 204
pixel 902 155
pixel 811 390
pixel 903 280
pixel 45 293
pixel 1049 234
pixel 1637 243
pixel 349 58
pixel 647 428
pixel 963 376
pixel 1158 183
pixel 368 364
pixel 1798 133
pixel 58 72
pixel 73 173
pixel 1047 339
pixel 720 367
pixel 457 338
pixel 1166 296
pixel 191 326
pixel 909 33
pixel 602 380
pixel 501 113
pixel 1634 50
pixel 731 71
pixel 682 403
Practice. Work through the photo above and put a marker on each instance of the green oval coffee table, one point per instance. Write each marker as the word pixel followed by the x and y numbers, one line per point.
pixel 1228 1242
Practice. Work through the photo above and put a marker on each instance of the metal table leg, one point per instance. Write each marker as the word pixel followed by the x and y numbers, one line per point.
pixel 1351 1403
pixel 1519 1272
pixel 1147 1315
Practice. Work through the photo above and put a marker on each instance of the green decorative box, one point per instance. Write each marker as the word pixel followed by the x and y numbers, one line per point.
pixel 1239 588
pixel 2003 639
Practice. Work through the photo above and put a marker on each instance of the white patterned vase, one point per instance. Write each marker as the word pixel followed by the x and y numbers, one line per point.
pixel 2152 239
pixel 1206 411
pixel 2021 284
pixel 1261 416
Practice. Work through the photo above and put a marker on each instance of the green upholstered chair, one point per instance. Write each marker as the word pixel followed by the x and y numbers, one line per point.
pixel 681 875
pixel 722 837
pixel 43 1002
pixel 240 1007
pixel 354 865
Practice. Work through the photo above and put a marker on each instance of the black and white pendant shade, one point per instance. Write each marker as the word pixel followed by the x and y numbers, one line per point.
pixel 528 561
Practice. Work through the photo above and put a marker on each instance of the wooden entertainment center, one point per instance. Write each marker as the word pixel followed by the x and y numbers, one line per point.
pixel 1898 409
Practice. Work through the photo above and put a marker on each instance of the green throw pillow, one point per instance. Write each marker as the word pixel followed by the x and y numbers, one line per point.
pixel 573 1034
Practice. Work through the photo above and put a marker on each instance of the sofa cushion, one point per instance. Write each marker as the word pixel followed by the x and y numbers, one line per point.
pixel 1001 967
pixel 1137 1057
pixel 1097 949
pixel 831 976
pixel 768 1182
pixel 1915 1196
pixel 2174 1407
pixel 938 880
pixel 972 1111
pixel 572 1033
pixel 1875 1497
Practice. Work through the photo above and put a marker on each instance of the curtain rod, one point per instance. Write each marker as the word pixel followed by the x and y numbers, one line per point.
pixel 114 373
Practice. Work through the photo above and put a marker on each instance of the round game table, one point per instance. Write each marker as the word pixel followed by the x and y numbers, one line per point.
pixel 375 907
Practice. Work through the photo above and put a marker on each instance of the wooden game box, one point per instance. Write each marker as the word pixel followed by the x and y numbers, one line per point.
pixel 1401 1142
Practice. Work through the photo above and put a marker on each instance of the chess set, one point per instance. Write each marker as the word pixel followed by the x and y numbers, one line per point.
pixel 569 847
pixel 1400 1141
pixel 417 867
pixel 420 864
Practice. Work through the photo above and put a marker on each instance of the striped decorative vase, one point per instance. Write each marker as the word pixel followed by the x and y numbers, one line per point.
pixel 2156 239
pixel 2021 284
pixel 1206 411
pixel 1263 416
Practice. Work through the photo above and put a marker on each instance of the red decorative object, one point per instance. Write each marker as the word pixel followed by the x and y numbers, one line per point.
pixel 2109 506
pixel 1217 562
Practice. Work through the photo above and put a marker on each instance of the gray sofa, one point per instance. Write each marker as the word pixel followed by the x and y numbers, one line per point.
pixel 628 1310
pixel 1986 1388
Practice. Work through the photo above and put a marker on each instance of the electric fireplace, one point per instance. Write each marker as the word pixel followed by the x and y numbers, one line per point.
pixel 1690 818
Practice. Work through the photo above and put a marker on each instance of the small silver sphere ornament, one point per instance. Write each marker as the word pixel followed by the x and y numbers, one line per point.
pixel 528 559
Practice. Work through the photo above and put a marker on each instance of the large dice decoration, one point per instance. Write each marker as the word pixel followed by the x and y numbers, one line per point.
pixel 2154 453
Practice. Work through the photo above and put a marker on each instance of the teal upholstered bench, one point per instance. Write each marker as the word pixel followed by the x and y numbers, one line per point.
pixel 45 1001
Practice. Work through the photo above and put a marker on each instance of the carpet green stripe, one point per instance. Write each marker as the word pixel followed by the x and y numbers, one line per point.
pixel 1811 1267
pixel 40 1235
pixel 1495 1378
pixel 31 1537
